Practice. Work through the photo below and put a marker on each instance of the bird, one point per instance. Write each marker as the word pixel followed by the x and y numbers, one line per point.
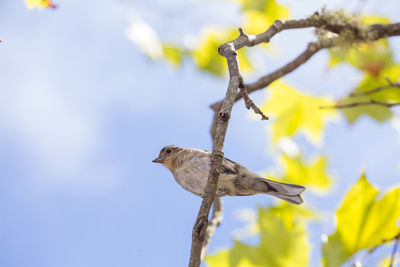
pixel 190 168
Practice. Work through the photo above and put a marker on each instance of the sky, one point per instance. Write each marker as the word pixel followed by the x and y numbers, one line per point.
pixel 83 112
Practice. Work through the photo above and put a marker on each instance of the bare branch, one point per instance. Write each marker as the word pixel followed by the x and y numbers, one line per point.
pixel 363 103
pixel 200 228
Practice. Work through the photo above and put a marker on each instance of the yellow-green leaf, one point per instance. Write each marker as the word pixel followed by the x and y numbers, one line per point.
pixel 270 7
pixel 387 95
pixel 206 54
pixel 39 4
pixel 308 174
pixel 385 262
pixel 375 19
pixel 363 221
pixel 283 242
pixel 294 111
pixel 174 54
pixel 259 15
pixel 372 57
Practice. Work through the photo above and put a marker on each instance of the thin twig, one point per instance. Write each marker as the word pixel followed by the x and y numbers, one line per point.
pixel 363 103
pixel 249 103
pixel 378 89
pixel 200 228
pixel 373 249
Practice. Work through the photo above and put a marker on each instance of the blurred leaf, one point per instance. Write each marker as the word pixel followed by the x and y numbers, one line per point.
pixel 261 14
pixel 311 174
pixel 374 19
pixel 372 57
pixel 375 60
pixel 362 222
pixel 386 261
pixel 206 55
pixel 173 53
pixel 283 242
pixel 379 113
pixel 370 82
pixel 294 111
pixel 39 4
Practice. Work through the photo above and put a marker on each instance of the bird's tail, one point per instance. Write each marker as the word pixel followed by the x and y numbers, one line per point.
pixel 287 192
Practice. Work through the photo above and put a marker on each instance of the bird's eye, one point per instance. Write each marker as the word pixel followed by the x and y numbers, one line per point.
pixel 168 151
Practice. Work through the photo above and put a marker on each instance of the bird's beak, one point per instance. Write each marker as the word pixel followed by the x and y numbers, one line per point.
pixel 159 159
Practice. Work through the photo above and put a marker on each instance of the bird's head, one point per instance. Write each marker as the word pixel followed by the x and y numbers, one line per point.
pixel 167 156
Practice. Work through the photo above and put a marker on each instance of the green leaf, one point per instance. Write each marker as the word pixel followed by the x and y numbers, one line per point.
pixel 283 242
pixel 294 111
pixel 371 58
pixel 378 113
pixel 307 174
pixel 206 54
pixel 370 82
pixel 363 222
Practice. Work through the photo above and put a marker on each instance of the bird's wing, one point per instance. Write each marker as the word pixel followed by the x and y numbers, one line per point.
pixel 229 167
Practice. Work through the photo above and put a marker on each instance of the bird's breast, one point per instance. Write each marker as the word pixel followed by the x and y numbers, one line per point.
pixel 191 173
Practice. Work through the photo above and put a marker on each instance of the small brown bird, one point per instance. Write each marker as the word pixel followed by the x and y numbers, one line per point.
pixel 190 168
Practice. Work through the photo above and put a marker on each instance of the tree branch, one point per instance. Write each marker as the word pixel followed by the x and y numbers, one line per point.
pixel 200 228
pixel 222 109
pixel 266 80
pixel 371 33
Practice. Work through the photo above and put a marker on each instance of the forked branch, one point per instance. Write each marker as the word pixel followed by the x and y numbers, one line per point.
pixel 222 109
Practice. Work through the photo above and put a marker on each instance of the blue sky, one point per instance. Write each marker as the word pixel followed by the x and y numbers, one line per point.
pixel 83 112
